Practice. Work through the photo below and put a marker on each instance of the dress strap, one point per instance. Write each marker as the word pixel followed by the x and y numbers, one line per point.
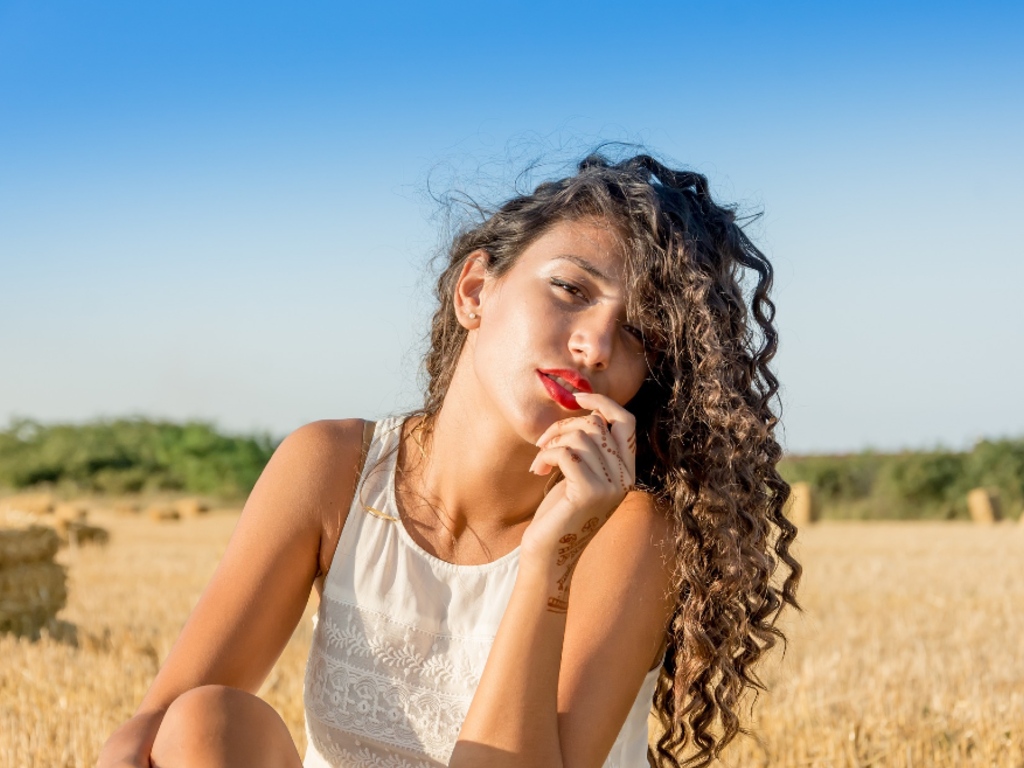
pixel 369 431
pixel 368 427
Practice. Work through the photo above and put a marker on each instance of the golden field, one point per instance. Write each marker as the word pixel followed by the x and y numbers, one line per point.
pixel 910 651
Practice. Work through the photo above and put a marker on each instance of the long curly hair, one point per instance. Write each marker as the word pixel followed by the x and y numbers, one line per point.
pixel 705 425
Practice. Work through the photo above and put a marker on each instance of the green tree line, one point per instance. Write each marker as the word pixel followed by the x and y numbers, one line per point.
pixel 912 485
pixel 138 455
pixel 131 456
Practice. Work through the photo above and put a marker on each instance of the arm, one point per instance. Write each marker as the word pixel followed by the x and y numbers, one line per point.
pixel 557 686
pixel 257 595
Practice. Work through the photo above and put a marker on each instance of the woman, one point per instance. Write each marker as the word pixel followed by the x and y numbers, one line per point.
pixel 584 517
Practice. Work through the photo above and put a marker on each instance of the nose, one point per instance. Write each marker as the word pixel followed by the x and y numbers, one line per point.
pixel 593 339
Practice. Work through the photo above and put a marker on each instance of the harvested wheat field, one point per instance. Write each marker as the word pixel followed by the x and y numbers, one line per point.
pixel 910 651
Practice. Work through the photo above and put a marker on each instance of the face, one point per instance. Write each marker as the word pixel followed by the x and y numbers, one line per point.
pixel 554 323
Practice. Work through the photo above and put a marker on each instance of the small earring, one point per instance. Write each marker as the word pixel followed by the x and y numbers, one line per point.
pixel 472 315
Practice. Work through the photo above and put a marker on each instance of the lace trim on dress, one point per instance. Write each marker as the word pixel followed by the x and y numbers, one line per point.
pixel 363 756
pixel 392 683
pixel 365 759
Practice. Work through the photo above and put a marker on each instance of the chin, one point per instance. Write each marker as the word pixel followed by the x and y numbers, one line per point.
pixel 531 423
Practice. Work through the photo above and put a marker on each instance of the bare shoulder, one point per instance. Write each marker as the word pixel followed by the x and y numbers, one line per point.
pixel 271 562
pixel 326 438
pixel 620 606
pixel 639 520
pixel 318 453
pixel 632 555
pixel 319 462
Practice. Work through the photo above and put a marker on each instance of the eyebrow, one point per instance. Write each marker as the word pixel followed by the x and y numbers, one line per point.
pixel 585 265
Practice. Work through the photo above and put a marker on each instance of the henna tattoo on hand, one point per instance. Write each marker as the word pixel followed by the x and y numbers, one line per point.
pixel 569 555
pixel 611 451
pixel 574 545
pixel 559 603
pixel 571 545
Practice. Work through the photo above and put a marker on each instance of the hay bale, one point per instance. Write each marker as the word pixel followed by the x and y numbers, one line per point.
pixel 34 503
pixel 189 508
pixel 161 513
pixel 32 587
pixel 983 506
pixel 126 508
pixel 71 510
pixel 802 507
pixel 30 595
pixel 13 518
pixel 33 544
pixel 76 532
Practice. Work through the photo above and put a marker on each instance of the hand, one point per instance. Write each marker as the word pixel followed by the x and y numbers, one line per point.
pixel 129 745
pixel 596 454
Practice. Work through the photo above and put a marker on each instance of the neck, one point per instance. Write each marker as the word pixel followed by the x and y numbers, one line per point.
pixel 473 469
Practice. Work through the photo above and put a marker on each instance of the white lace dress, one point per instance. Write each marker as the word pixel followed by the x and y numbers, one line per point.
pixel 401 638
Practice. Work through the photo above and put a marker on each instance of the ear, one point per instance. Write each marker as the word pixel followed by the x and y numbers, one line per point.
pixel 469 289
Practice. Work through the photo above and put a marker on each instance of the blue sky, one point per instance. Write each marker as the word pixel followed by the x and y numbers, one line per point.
pixel 223 211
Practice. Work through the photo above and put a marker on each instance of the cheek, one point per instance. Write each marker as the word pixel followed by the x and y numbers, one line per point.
pixel 521 326
pixel 631 381
pixel 507 344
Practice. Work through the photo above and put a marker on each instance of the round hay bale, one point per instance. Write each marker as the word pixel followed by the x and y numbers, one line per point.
pixel 160 513
pixel 983 506
pixel 30 595
pixel 27 545
pixel 71 510
pixel 34 503
pixel 189 508
pixel 126 508
pixel 802 506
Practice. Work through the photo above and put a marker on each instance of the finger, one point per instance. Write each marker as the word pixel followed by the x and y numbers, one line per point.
pixel 592 424
pixel 574 467
pixel 621 468
pixel 589 447
pixel 581 450
pixel 611 411
pixel 567 425
pixel 622 426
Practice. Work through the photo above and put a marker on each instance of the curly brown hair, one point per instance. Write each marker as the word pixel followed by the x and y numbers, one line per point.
pixel 705 425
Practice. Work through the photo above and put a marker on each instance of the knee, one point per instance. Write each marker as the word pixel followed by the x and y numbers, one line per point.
pixel 213 725
pixel 192 726
pixel 201 711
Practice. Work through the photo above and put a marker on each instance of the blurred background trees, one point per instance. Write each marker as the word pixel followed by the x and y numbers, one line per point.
pixel 912 485
pixel 131 456
pixel 126 456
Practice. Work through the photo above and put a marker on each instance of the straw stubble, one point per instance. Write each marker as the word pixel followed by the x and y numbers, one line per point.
pixel 905 655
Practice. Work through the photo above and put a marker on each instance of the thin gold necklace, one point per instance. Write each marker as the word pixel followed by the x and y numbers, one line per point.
pixel 415 433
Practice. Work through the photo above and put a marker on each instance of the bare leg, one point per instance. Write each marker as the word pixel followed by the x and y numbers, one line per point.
pixel 219 727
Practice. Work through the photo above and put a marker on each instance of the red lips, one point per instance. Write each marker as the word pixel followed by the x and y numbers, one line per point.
pixel 558 389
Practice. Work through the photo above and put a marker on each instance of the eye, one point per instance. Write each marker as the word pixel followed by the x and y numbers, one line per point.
pixel 634 331
pixel 569 288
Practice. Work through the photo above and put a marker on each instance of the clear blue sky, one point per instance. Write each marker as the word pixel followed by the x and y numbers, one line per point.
pixel 221 210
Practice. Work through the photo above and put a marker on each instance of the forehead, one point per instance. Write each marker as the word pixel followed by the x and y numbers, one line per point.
pixel 592 241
